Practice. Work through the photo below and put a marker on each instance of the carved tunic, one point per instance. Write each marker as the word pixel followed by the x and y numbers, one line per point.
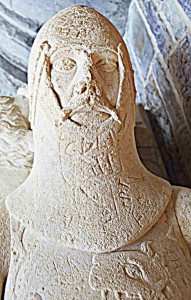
pixel 157 266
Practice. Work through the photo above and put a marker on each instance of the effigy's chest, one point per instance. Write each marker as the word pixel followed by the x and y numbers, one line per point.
pixel 157 266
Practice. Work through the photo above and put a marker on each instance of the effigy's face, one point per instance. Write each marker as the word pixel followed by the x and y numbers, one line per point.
pixel 80 73
pixel 86 82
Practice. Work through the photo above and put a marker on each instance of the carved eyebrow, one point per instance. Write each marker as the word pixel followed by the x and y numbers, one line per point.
pixel 104 55
pixel 104 49
pixel 58 53
pixel 106 60
pixel 70 50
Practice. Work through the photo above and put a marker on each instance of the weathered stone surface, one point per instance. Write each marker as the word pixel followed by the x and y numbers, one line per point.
pixel 116 11
pixel 160 32
pixel 166 25
pixel 181 131
pixel 140 95
pixel 170 14
pixel 138 38
pixel 146 145
pixel 180 65
pixel 15 163
pixel 186 6
pixel 158 116
pixel 10 179
pixel 91 222
pixel 19 22
pixel 15 166
pixel 183 211
pixel 173 107
pixel 117 275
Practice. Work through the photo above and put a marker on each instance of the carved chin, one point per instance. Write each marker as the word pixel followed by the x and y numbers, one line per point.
pixel 89 126
pixel 91 118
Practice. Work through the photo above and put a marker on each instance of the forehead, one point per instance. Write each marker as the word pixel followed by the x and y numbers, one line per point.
pixel 83 53
pixel 80 25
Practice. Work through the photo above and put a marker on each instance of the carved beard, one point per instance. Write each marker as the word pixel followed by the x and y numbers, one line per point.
pixel 90 120
pixel 82 159
pixel 88 137
pixel 89 141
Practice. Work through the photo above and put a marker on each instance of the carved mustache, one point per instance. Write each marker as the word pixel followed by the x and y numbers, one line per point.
pixel 88 103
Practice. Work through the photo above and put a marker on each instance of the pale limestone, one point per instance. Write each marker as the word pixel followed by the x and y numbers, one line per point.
pixel 15 163
pixel 13 173
pixel 90 222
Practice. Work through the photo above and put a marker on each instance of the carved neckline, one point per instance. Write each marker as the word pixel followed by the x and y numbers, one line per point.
pixel 117 222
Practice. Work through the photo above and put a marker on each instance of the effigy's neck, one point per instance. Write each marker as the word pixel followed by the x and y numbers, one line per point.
pixel 75 161
pixel 82 193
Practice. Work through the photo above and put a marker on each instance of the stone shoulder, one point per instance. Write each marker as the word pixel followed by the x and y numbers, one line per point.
pixel 181 197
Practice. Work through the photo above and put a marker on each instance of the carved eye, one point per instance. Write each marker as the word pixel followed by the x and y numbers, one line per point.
pixel 107 65
pixel 64 65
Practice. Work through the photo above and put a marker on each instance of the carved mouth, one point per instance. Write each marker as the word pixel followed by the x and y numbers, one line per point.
pixel 91 117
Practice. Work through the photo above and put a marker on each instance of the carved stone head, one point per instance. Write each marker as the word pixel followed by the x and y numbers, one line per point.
pixel 81 75
pixel 87 183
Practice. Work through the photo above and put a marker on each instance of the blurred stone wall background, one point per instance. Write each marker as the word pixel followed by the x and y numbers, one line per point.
pixel 157 33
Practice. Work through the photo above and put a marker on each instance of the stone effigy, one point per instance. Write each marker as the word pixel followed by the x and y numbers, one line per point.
pixel 16 156
pixel 90 222
pixel 16 145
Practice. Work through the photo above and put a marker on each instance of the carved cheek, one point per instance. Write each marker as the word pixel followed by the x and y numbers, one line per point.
pixel 113 87
pixel 110 85
pixel 62 84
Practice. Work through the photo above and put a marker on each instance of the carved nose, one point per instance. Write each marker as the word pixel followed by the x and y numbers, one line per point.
pixel 86 82
pixel 86 86
pixel 80 88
